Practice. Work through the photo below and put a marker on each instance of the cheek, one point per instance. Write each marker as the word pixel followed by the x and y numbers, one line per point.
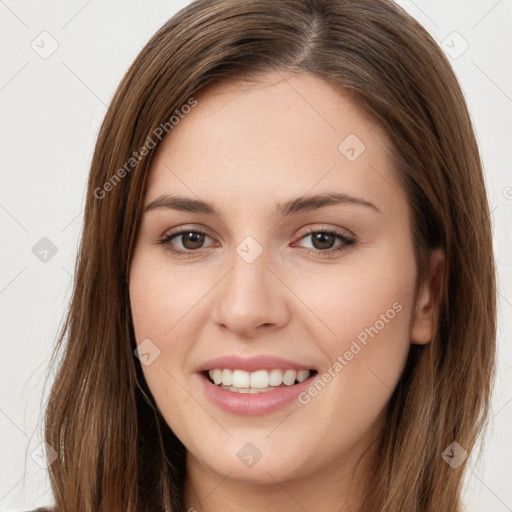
pixel 158 302
pixel 162 305
pixel 162 299
pixel 166 306
pixel 354 390
pixel 350 298
pixel 368 311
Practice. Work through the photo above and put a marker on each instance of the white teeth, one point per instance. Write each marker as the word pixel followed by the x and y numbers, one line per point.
pixel 302 375
pixel 240 379
pixel 289 377
pixel 227 377
pixel 259 380
pixel 276 377
pixel 216 376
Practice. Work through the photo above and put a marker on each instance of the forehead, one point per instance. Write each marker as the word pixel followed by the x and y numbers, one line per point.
pixel 283 135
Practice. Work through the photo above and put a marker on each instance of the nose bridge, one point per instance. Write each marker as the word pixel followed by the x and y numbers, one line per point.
pixel 250 295
pixel 248 280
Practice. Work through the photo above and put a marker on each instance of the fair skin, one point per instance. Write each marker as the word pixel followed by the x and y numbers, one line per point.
pixel 248 150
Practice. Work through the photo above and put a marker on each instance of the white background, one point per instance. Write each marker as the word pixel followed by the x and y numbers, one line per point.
pixel 51 110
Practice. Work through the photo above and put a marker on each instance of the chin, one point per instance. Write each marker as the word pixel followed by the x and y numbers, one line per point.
pixel 248 464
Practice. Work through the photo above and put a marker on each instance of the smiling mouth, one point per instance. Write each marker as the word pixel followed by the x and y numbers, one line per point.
pixel 260 381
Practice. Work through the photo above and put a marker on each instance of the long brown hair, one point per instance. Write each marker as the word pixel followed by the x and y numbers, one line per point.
pixel 116 453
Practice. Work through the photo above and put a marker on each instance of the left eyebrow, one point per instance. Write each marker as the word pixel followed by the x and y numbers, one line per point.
pixel 290 207
pixel 319 201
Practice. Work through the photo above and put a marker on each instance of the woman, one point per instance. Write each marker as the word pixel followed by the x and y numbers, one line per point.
pixel 285 290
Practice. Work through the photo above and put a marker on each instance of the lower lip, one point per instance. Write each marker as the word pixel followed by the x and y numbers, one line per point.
pixel 253 403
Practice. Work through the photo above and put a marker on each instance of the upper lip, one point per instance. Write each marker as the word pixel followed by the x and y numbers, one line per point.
pixel 252 364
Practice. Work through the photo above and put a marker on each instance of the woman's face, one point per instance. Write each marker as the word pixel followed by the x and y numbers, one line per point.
pixel 307 263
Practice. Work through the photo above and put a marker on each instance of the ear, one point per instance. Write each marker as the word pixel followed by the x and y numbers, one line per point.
pixel 428 300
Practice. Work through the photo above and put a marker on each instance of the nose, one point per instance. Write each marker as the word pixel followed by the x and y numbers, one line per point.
pixel 251 298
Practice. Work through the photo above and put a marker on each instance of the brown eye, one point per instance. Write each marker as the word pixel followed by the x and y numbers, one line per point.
pixel 185 242
pixel 323 240
pixel 192 240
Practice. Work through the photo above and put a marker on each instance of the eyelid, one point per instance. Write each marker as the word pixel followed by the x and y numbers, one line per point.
pixel 323 227
pixel 308 230
pixel 181 230
pixel 346 237
pixel 186 228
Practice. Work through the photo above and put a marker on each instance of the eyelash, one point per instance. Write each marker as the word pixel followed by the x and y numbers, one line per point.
pixel 346 242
